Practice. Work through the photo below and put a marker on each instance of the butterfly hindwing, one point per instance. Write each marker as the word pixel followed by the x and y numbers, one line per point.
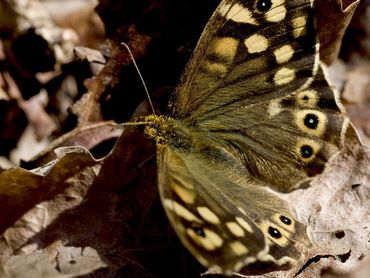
pixel 214 220
pixel 287 139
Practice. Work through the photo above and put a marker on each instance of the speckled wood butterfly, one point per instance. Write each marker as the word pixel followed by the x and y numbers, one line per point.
pixel 253 110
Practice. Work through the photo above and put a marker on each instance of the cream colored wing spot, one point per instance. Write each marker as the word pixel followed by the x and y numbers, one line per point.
pixel 244 224
pixel 202 260
pixel 180 211
pixel 184 179
pixel 284 221
pixel 208 215
pixel 277 11
pixel 286 260
pixel 225 48
pixel 317 63
pixel 205 238
pixel 256 43
pixel 216 68
pixel 274 108
pixel 249 260
pixel 282 261
pixel 186 195
pixel 284 76
pixel 224 9
pixel 311 122
pixel 238 266
pixel 235 229
pixel 307 98
pixel 275 234
pixel 238 248
pixel 299 26
pixel 263 252
pixel 181 184
pixel 242 210
pixel 284 54
pixel 307 149
pixel 237 13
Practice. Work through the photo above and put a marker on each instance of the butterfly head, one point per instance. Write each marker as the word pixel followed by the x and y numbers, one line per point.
pixel 159 128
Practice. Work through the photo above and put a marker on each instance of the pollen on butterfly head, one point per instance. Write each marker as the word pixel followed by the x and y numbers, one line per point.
pixel 159 128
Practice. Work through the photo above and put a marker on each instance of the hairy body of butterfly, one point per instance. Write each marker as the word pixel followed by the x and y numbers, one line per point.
pixel 253 110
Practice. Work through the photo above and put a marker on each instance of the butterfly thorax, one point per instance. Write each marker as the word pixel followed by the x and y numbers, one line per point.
pixel 171 132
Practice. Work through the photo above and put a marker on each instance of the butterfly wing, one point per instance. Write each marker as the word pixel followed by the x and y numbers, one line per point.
pixel 245 56
pixel 223 218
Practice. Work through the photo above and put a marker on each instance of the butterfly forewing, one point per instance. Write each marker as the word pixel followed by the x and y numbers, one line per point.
pixel 246 55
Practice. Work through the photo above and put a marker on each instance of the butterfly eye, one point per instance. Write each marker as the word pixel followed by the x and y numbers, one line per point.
pixel 263 5
pixel 306 151
pixel 274 232
pixel 311 121
pixel 307 98
pixel 285 220
pixel 199 231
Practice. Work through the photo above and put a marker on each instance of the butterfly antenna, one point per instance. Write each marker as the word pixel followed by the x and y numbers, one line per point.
pixel 122 125
pixel 141 77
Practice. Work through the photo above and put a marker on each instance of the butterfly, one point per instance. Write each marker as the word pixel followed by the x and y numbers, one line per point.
pixel 253 111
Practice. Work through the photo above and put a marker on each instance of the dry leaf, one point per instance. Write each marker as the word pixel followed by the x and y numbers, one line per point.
pixel 333 18
pixel 88 137
pixel 20 190
pixel 62 262
pixel 337 210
